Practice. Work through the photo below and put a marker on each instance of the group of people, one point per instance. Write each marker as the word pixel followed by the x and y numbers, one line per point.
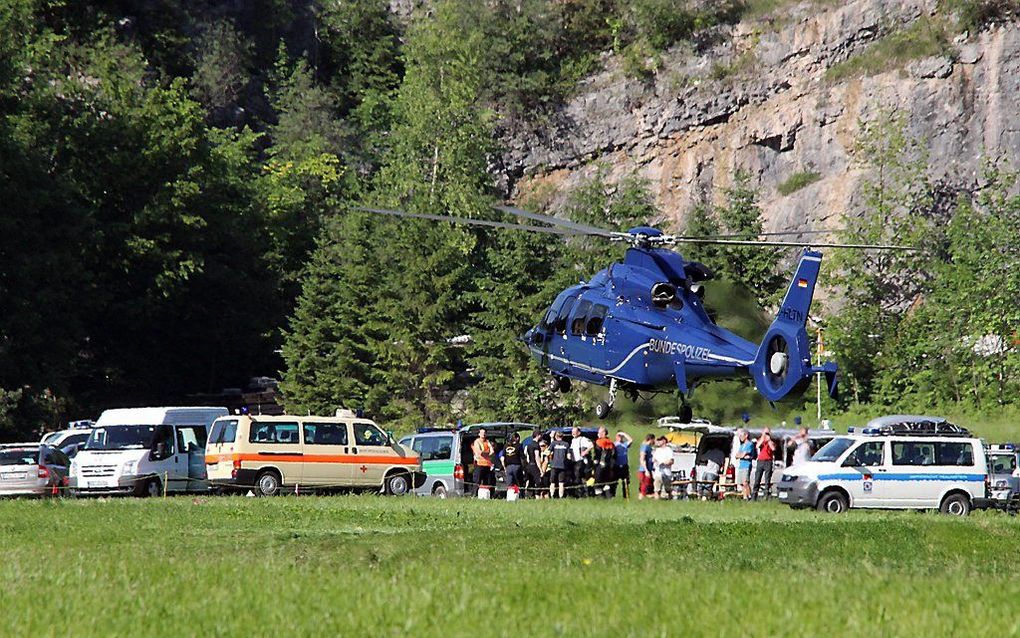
pixel 656 472
pixel 546 465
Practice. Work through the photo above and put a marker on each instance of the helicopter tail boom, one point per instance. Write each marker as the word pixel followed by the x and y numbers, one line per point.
pixel 783 366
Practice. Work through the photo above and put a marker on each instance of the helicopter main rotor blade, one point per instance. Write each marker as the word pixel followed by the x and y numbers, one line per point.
pixel 467 221
pixel 780 233
pixel 580 229
pixel 670 239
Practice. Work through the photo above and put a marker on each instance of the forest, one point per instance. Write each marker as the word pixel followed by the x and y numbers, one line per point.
pixel 180 182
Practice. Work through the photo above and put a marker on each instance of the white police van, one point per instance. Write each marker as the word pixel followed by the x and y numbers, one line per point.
pixel 895 462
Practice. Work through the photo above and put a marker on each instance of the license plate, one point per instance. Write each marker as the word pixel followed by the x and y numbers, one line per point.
pixel 783 494
pixel 97 483
pixel 14 476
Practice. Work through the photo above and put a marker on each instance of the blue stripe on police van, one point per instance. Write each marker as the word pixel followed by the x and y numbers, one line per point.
pixel 879 476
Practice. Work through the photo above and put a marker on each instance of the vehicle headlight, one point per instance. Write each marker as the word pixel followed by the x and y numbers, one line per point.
pixel 74 467
pixel 1000 484
pixel 788 478
pixel 129 467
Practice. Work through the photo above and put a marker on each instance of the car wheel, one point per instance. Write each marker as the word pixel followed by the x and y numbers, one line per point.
pixel 955 505
pixel 151 488
pixel 439 491
pixel 267 484
pixel 398 484
pixel 833 503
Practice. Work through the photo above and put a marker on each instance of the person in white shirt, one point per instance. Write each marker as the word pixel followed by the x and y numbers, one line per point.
pixel 802 447
pixel 580 454
pixel 663 476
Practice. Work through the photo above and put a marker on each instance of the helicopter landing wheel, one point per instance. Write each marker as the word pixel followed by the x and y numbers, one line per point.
pixel 602 410
pixel 686 413
pixel 558 384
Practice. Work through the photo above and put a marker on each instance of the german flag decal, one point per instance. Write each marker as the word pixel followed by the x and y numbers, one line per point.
pixel 802 283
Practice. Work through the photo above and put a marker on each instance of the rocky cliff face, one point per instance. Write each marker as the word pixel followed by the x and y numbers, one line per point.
pixel 758 99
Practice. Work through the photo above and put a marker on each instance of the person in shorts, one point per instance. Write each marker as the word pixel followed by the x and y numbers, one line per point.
pixel 745 455
pixel 663 477
pixel 560 451
pixel 646 467
pixel 544 462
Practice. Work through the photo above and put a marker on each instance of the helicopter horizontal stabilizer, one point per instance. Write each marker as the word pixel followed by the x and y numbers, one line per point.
pixel 782 366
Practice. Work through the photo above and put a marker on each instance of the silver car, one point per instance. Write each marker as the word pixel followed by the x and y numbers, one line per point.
pixel 1003 481
pixel 32 469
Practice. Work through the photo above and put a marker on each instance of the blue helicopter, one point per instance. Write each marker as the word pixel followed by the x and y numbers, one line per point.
pixel 641 325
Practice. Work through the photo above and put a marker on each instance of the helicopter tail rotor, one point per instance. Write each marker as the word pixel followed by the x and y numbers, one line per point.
pixel 782 366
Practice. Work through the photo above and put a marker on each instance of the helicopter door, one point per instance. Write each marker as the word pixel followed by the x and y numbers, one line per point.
pixel 558 344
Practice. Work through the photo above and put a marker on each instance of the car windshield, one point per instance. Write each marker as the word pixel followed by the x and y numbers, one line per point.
pixel 833 449
pixel 23 456
pixel 121 437
pixel 1002 463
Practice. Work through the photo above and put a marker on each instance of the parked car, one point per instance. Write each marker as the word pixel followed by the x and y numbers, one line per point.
pixel 145 452
pixel 32 469
pixel 897 462
pixel 268 454
pixel 1003 475
pixel 72 439
pixel 447 459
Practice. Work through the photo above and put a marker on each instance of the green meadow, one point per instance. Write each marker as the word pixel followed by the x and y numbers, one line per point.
pixel 373 566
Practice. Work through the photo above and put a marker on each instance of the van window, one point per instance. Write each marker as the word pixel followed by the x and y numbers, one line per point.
pixel 284 433
pixel 866 455
pixel 1003 463
pixel 224 431
pixel 933 453
pixel 833 450
pixel 954 453
pixel 190 437
pixel 433 448
pixel 325 433
pixel 368 434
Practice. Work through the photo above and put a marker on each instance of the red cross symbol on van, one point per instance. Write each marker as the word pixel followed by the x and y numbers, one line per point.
pixel 363 469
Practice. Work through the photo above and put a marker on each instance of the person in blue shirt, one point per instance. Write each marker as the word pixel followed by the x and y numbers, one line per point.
pixel 745 455
pixel 646 467
pixel 622 475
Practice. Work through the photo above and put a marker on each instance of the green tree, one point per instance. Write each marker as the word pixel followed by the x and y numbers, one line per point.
pixel 879 287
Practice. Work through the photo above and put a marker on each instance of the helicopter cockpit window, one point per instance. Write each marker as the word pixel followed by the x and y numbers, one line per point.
pixel 561 319
pixel 595 319
pixel 580 316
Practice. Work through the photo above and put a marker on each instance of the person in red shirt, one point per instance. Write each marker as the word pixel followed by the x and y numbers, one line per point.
pixel 763 467
pixel 605 464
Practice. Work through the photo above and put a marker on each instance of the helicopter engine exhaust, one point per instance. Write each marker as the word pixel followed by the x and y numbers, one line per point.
pixel 663 294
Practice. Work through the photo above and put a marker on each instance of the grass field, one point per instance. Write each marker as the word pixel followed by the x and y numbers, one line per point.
pixel 373 566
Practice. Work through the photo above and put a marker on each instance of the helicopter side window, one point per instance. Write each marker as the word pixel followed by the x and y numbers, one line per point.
pixel 561 319
pixel 577 324
pixel 595 319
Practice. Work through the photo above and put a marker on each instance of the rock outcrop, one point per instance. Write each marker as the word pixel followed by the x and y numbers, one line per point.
pixel 759 100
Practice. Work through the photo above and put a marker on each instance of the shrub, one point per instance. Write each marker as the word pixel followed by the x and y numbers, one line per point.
pixel 797 181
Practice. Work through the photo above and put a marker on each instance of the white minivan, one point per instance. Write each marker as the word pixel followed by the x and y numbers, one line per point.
pixel 901 462
pixel 145 451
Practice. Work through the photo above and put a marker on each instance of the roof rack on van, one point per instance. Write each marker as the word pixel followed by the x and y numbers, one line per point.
pixel 436 428
pixel 913 426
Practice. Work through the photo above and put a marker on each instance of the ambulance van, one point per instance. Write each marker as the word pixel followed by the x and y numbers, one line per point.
pixel 145 452
pixel 271 454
